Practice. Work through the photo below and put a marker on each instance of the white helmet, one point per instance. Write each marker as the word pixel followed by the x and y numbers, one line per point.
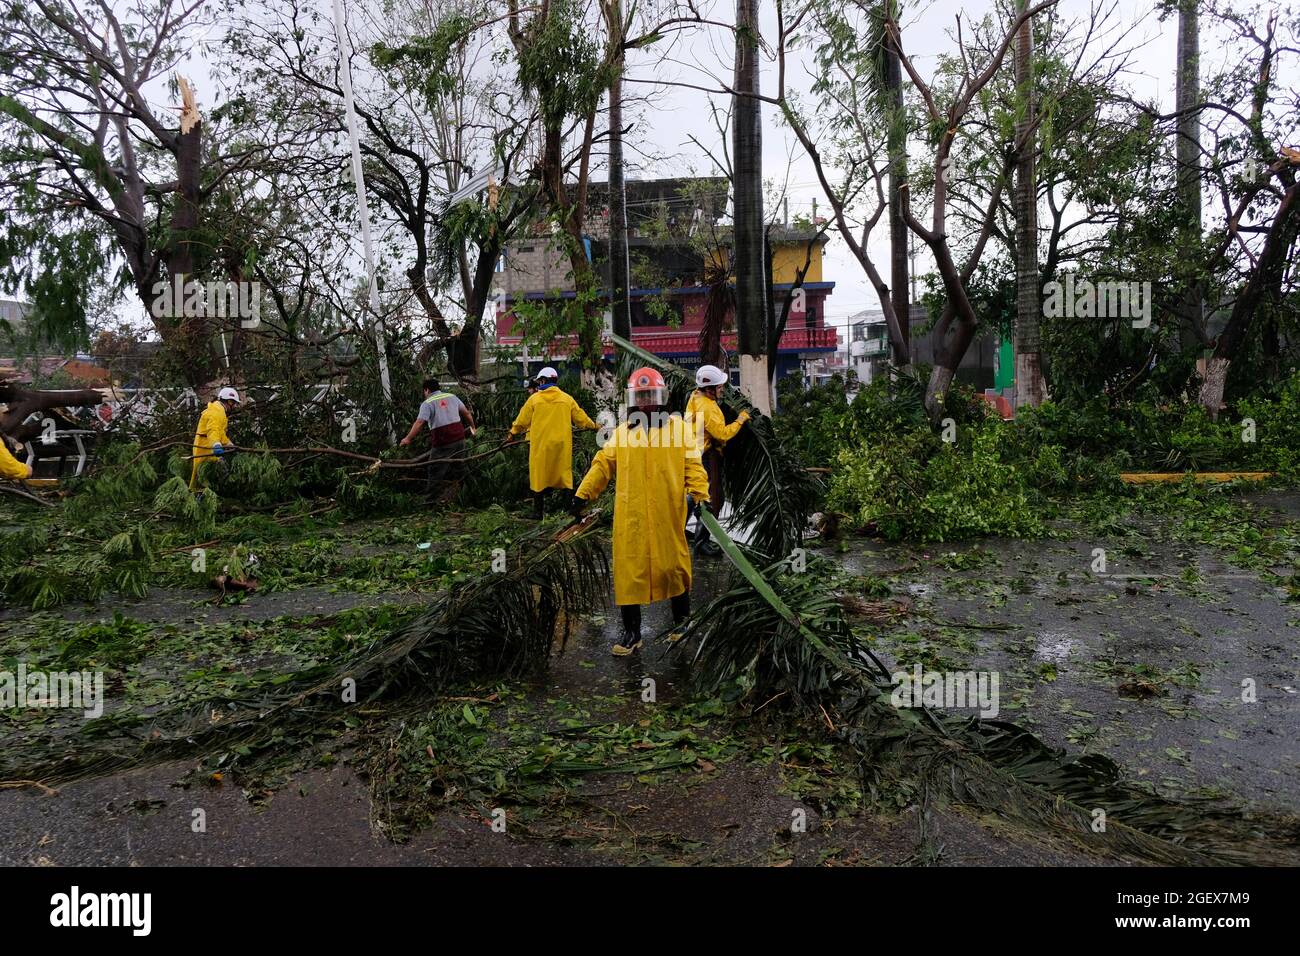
pixel 548 372
pixel 228 394
pixel 707 376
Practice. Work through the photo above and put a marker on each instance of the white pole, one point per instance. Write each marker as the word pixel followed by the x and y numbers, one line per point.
pixel 363 208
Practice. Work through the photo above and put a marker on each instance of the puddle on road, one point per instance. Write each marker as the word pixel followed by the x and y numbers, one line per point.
pixel 1053 647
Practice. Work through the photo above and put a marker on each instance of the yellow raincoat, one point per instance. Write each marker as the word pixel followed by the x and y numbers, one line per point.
pixel 211 430
pixel 11 467
pixel 547 417
pixel 654 468
pixel 705 419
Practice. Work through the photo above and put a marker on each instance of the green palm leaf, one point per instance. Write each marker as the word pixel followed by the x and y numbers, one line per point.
pixel 499 624
pixel 770 490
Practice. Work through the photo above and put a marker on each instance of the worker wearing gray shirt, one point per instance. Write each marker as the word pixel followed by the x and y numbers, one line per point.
pixel 447 418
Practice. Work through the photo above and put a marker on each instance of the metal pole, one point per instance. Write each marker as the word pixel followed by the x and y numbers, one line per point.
pixel 363 208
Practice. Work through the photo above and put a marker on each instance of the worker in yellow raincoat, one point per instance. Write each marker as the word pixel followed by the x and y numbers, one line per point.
pixel 705 419
pixel 548 417
pixel 655 463
pixel 11 467
pixel 210 438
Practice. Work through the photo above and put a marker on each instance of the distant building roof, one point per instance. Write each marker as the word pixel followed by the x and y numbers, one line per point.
pixel 78 370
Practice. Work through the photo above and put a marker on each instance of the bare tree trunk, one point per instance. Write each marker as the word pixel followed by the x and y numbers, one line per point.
pixel 937 387
pixel 898 233
pixel 1030 388
pixel 1216 377
pixel 1192 333
pixel 619 281
pixel 464 348
pixel 749 258
pixel 955 331
pixel 571 215
pixel 720 303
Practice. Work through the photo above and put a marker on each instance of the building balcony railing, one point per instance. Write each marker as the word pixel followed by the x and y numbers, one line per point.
pixel 685 342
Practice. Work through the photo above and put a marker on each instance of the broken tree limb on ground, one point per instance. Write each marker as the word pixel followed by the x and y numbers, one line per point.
pixel 1166 477
pixel 22 402
pixel 418 462
pixel 11 489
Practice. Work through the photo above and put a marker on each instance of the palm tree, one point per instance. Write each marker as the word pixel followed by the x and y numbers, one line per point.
pixel 892 98
pixel 1030 388
pixel 749 259
pixel 1187 150
pixel 619 282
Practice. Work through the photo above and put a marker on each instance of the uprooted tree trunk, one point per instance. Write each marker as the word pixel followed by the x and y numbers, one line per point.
pixel 23 402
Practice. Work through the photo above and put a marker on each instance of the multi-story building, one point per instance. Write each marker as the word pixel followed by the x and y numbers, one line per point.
pixel 674 235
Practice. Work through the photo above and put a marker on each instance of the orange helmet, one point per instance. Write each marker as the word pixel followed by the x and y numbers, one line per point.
pixel 646 387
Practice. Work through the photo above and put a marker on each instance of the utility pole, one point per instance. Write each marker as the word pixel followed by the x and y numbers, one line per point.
pixel 363 209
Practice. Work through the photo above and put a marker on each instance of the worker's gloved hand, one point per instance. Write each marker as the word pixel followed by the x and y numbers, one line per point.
pixel 576 506
pixel 742 417
pixel 217 449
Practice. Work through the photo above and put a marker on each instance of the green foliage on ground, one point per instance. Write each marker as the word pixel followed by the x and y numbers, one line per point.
pixel 896 474
pixel 134 524
pixel 923 488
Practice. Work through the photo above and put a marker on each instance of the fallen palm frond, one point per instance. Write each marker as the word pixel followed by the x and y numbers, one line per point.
pixel 499 624
pixel 770 491
pixel 721 303
pixel 782 633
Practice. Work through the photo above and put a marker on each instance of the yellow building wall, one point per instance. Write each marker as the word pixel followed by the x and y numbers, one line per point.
pixel 787 259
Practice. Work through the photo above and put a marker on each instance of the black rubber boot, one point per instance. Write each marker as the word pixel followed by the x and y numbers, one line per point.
pixel 631 639
pixel 681 606
pixel 704 543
